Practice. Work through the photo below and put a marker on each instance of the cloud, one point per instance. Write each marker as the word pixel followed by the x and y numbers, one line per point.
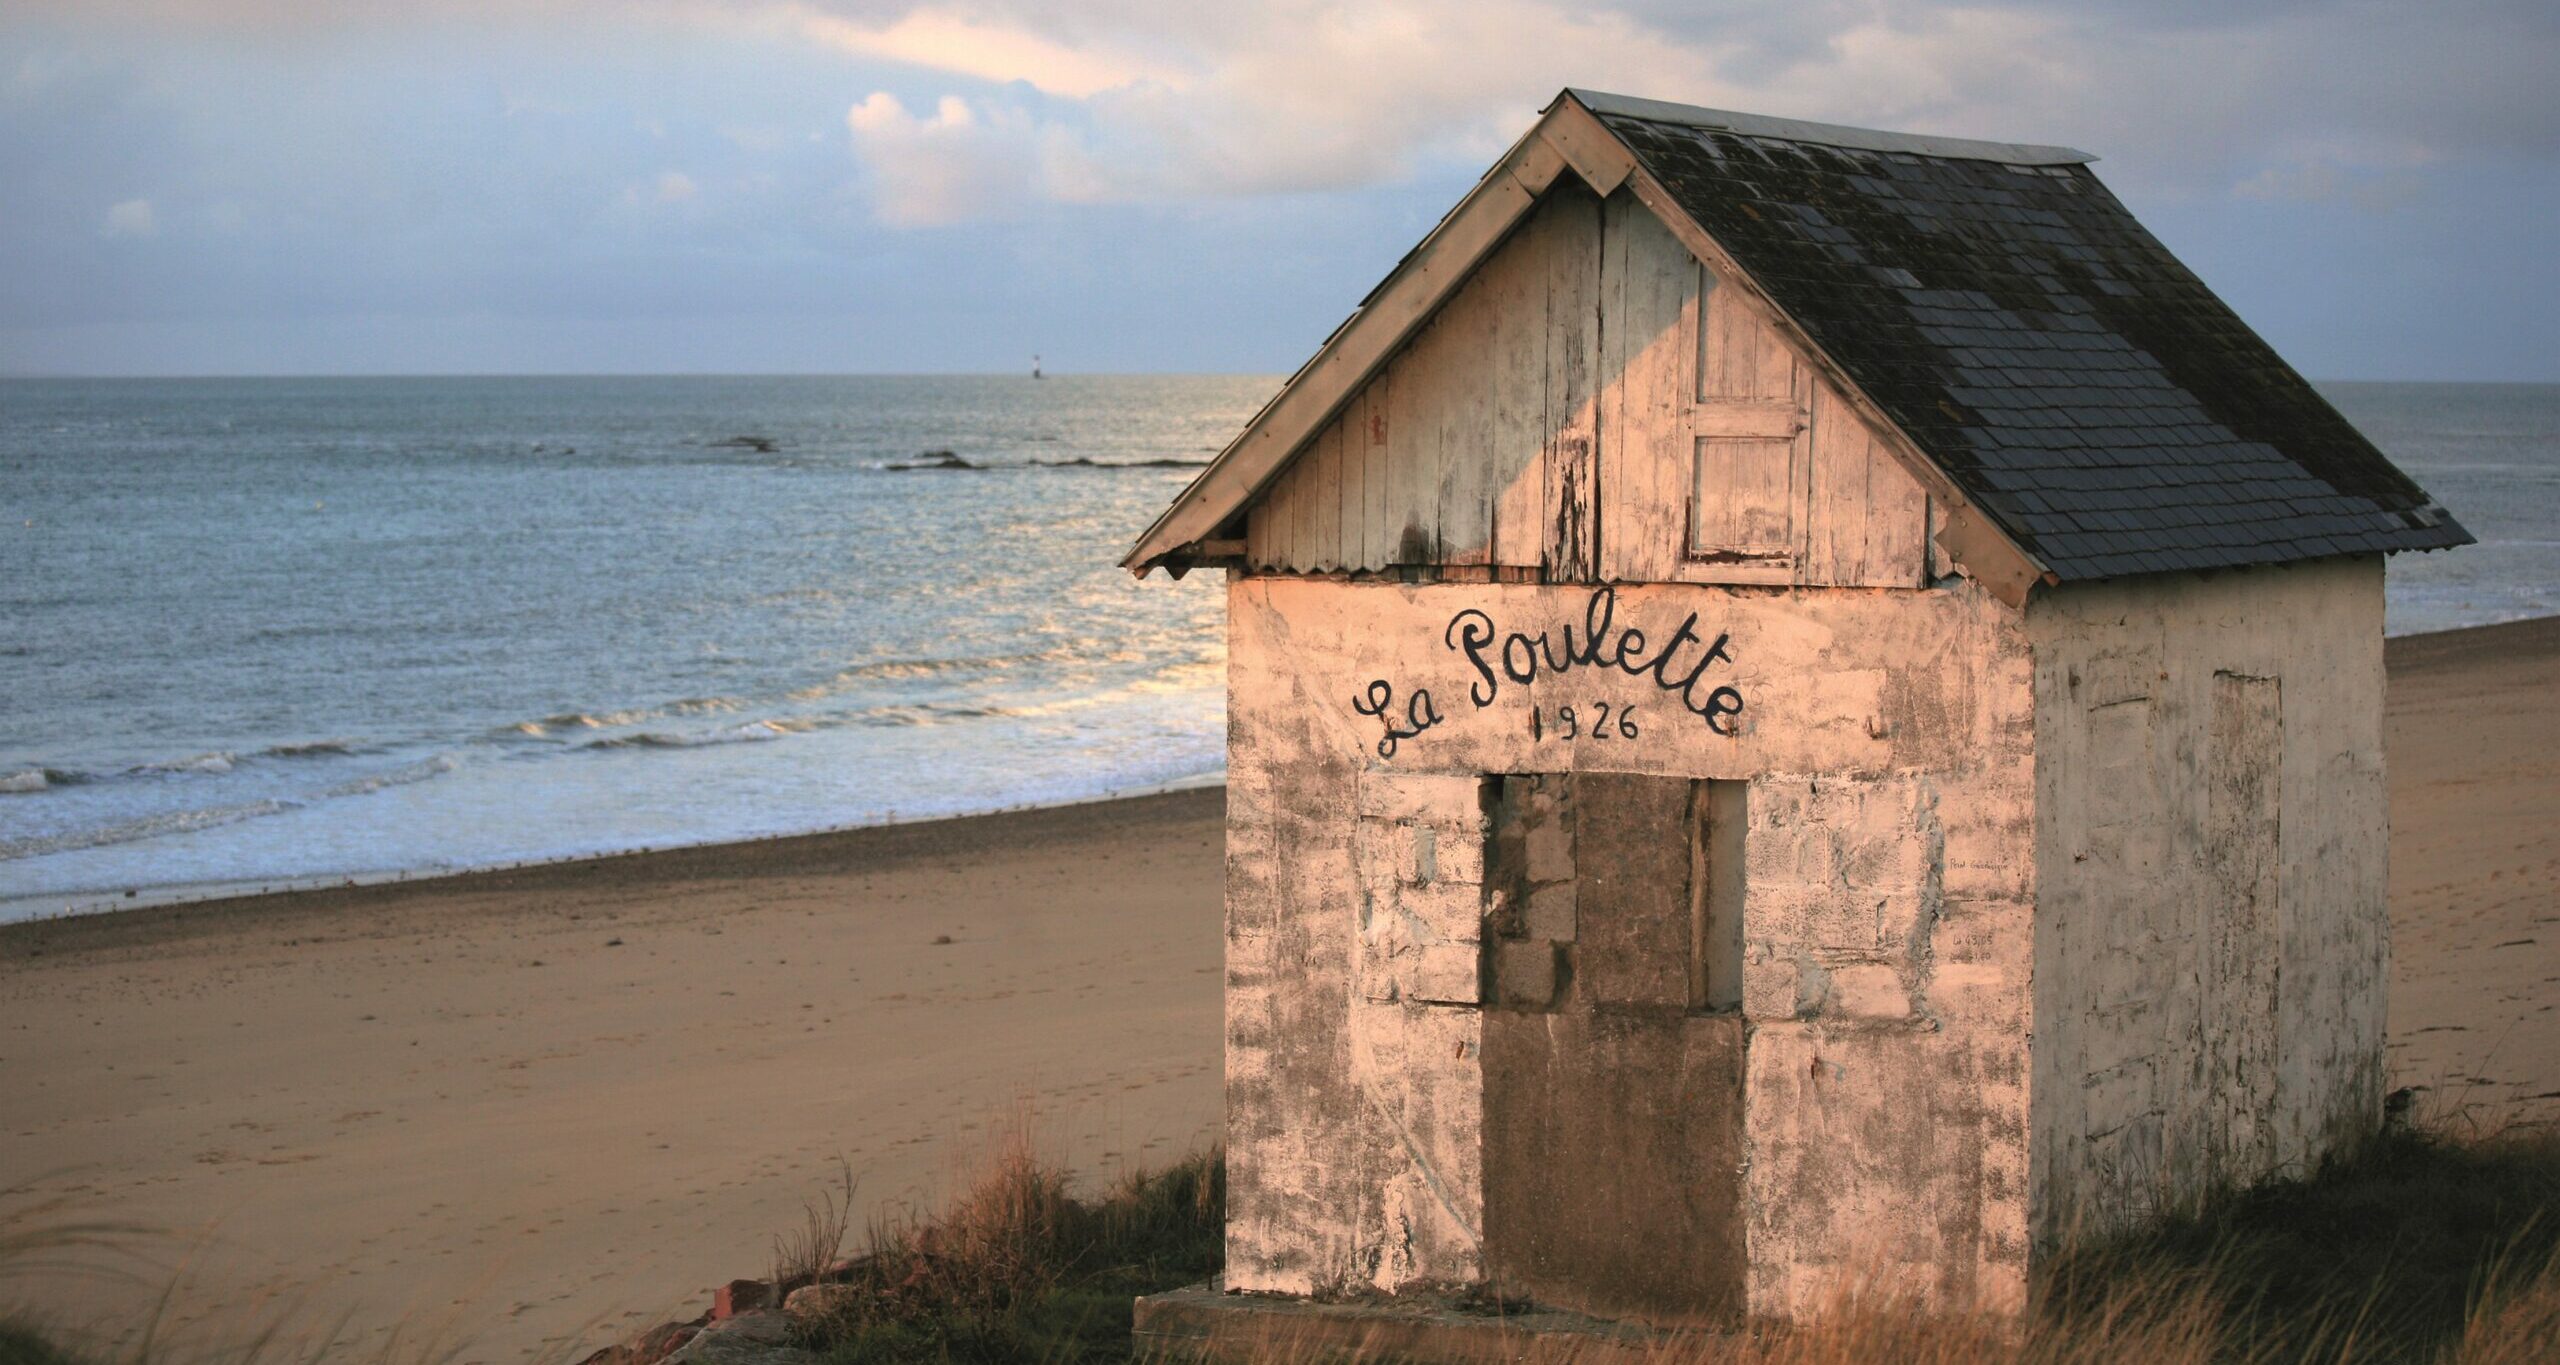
pixel 1195 183
pixel 1119 100
pixel 1150 100
pixel 945 168
pixel 131 218
pixel 1283 98
pixel 961 44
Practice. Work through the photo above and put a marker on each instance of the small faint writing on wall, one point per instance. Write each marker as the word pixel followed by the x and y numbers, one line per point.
pixel 1683 664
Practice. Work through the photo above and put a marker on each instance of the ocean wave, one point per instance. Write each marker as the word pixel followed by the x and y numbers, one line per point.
pixel 201 763
pixel 612 720
pixel 145 827
pixel 318 748
pixel 45 779
pixel 895 669
pixel 752 732
pixel 420 771
pixel 932 460
pixel 206 817
pixel 581 720
pixel 928 713
pixel 1087 462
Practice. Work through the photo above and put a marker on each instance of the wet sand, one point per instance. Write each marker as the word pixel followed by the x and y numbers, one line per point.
pixel 537 1106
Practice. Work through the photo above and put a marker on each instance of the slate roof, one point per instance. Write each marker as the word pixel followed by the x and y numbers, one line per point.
pixel 2083 387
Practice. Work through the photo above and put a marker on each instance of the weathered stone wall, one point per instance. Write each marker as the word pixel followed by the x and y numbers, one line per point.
pixel 2212 830
pixel 1885 740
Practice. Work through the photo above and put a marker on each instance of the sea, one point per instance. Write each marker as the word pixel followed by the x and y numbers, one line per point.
pixel 263 633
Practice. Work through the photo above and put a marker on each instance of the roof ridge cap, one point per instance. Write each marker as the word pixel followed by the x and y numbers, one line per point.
pixel 1826 134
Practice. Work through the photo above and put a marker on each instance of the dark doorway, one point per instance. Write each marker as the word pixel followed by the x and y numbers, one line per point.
pixel 1613 1056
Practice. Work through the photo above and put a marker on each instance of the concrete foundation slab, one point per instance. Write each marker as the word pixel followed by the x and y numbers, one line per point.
pixel 1204 1324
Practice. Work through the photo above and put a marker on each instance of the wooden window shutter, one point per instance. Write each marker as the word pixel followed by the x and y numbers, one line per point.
pixel 1742 505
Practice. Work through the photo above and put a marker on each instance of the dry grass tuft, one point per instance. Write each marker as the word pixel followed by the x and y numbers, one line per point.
pixel 1016 1268
pixel 2386 1257
pixel 2433 1250
pixel 806 1252
pixel 2514 1321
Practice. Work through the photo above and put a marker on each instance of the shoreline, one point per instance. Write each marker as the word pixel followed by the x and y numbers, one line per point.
pixel 21 910
pixel 86 904
pixel 874 847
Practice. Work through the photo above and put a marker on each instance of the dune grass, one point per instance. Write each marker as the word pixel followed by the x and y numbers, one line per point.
pixel 2426 1241
pixel 1017 1268
pixel 2428 1248
pixel 2431 1248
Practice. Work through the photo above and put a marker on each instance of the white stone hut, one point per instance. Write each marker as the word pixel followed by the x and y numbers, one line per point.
pixel 1805 707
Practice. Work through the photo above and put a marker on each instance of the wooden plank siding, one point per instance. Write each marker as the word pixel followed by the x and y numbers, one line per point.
pixel 1590 406
pixel 1454 452
pixel 1566 519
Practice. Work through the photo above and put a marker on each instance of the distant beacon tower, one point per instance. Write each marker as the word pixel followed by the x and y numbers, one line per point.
pixel 1805 708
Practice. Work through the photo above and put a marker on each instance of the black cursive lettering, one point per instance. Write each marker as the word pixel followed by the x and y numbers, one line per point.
pixel 1516 649
pixel 1600 643
pixel 1420 713
pixel 1471 630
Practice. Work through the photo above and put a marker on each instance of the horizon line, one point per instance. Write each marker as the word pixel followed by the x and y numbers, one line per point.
pixel 39 376
pixel 1045 374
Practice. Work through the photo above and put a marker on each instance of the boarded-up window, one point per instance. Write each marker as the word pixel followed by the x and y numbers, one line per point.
pixel 1614 889
pixel 1742 506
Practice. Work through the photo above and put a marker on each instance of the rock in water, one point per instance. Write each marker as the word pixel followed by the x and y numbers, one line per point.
pixel 934 459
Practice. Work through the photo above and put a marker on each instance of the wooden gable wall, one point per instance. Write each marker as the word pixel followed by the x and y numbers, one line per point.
pixel 1456 452
pixel 1590 406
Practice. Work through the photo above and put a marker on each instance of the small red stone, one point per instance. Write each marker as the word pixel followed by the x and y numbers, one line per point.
pixel 739 1296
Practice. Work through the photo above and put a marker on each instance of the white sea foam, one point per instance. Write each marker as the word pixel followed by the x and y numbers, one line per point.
pixel 210 763
pixel 129 831
pixel 435 766
pixel 753 731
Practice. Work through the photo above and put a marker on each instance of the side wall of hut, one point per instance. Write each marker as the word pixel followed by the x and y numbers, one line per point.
pixel 1866 761
pixel 2212 934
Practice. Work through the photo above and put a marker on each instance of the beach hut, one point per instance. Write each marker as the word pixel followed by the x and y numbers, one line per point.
pixel 1804 711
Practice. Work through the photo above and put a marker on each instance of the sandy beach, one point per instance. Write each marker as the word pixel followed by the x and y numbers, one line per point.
pixel 534 1107
pixel 543 1106
pixel 2474 734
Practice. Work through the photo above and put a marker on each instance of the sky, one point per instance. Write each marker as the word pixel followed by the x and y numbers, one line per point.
pixel 769 186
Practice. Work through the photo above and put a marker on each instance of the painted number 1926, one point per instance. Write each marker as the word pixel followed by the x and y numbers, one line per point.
pixel 1601 722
